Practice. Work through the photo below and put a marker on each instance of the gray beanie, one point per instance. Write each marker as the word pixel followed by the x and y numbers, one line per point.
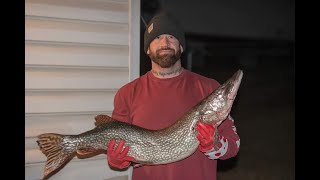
pixel 163 24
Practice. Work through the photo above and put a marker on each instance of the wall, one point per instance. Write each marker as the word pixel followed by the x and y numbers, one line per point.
pixel 78 53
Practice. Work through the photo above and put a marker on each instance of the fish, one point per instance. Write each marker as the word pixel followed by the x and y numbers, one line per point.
pixel 147 147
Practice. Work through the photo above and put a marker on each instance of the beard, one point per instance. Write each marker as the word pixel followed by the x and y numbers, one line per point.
pixel 165 60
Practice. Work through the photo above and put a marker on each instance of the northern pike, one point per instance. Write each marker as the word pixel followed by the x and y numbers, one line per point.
pixel 150 147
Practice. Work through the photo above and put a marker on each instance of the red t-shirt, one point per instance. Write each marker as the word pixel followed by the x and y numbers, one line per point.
pixel 154 103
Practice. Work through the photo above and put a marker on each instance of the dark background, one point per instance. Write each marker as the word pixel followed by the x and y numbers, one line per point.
pixel 259 38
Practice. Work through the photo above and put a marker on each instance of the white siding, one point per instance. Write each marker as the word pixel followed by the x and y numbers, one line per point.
pixel 78 53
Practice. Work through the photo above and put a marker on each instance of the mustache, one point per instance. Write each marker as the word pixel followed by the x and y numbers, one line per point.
pixel 167 48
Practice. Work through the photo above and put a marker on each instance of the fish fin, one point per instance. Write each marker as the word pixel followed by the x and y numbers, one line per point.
pixel 86 151
pixel 102 119
pixel 51 146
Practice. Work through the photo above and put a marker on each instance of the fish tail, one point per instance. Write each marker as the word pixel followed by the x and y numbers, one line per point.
pixel 58 153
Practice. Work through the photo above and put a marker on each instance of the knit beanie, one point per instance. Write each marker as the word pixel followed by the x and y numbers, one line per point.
pixel 162 23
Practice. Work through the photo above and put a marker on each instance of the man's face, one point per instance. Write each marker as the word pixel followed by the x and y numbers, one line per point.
pixel 165 50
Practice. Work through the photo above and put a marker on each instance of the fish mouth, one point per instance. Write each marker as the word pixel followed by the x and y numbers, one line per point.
pixel 236 81
pixel 237 77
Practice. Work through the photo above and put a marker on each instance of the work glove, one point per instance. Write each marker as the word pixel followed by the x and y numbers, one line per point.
pixel 117 157
pixel 208 137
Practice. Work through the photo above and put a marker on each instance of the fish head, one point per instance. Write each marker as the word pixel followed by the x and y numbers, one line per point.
pixel 217 106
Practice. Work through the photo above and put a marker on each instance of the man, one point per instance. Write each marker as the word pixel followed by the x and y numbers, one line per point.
pixel 160 97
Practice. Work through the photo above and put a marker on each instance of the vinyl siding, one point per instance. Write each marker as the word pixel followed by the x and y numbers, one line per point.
pixel 78 53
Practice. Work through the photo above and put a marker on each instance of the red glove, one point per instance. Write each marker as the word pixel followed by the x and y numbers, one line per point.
pixel 118 158
pixel 206 136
